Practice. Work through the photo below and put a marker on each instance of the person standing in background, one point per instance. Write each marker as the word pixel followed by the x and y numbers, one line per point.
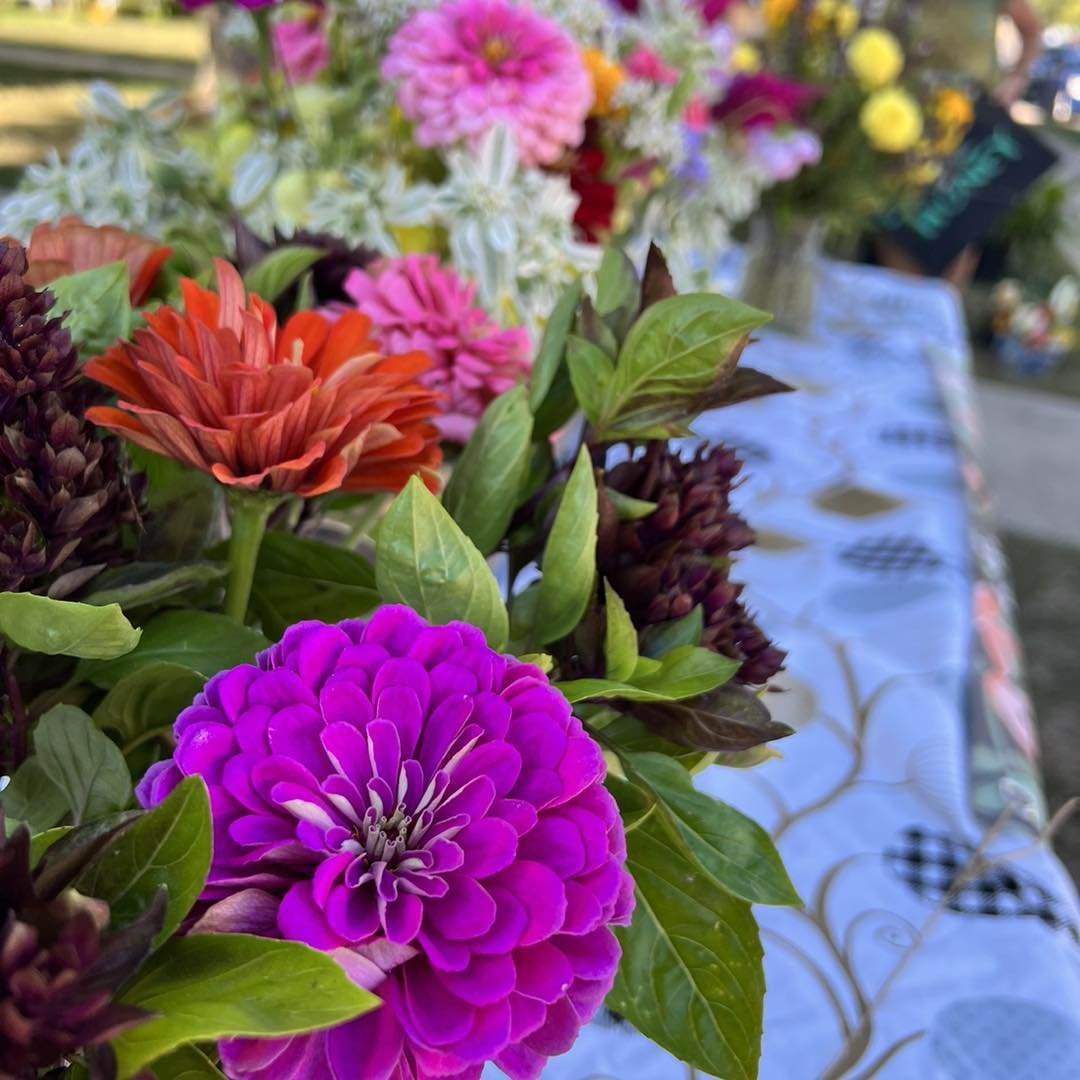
pixel 957 40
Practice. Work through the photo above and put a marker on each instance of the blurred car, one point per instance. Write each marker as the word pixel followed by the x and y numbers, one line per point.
pixel 1055 82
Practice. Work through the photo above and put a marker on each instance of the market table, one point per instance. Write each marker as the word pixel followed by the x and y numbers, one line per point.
pixel 914 747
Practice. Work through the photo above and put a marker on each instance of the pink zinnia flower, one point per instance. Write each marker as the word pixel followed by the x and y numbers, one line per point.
pixel 646 65
pixel 469 65
pixel 415 304
pixel 429 812
pixel 302 50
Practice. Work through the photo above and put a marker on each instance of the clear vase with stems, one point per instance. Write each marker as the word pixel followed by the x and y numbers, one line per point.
pixel 782 265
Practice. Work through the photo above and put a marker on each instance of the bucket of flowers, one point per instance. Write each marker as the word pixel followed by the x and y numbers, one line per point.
pixel 1033 337
pixel 318 763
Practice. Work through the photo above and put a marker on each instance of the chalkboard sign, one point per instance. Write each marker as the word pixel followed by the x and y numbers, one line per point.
pixel 997 162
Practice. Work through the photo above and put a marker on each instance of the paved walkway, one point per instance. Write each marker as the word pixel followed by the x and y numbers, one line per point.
pixel 1032 460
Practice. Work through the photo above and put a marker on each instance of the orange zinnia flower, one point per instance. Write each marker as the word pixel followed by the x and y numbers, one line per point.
pixel 71 246
pixel 307 408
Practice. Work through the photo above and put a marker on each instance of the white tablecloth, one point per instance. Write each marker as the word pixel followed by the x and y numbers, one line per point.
pixel 876 571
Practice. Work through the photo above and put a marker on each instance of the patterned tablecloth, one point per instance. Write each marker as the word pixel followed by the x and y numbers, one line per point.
pixel 877 571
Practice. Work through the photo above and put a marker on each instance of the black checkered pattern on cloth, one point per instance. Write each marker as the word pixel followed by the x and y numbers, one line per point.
pixel 921 437
pixel 892 555
pixel 930 861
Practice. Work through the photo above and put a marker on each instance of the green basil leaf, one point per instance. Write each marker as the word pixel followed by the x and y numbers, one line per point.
pixel 83 763
pixel 65 628
pixel 549 356
pixel 661 638
pixel 299 579
pixel 727 719
pixel 277 270
pixel 628 733
pixel 186 1063
pixel 32 797
pixel 736 851
pixel 677 348
pixel 141 583
pixel 99 306
pixel 691 977
pixel 199 640
pixel 590 373
pixel 148 699
pixel 685 672
pixel 620 637
pixel 569 560
pixel 424 560
pixel 168 846
pixel 628 508
pixel 617 284
pixel 213 986
pixel 42 841
pixel 487 480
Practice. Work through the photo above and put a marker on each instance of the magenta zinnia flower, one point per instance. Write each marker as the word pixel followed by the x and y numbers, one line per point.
pixel 468 65
pixel 420 805
pixel 416 305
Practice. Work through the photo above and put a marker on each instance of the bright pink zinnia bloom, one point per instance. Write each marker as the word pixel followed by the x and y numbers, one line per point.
pixel 302 50
pixel 430 813
pixel 469 65
pixel 414 300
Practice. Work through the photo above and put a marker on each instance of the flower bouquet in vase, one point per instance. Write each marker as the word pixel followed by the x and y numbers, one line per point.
pixel 300 783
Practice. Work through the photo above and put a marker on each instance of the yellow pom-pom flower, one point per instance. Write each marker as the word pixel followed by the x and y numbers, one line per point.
pixel 875 58
pixel 892 120
pixel 606 77
pixel 746 59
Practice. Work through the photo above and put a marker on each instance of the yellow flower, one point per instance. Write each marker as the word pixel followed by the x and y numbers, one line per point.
pixel 821 15
pixel 891 120
pixel 846 20
pixel 875 58
pixel 777 12
pixel 746 59
pixel 606 77
pixel 952 108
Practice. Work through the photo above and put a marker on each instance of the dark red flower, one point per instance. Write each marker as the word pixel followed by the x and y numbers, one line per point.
pixel 679 557
pixel 598 196
pixel 65 491
pixel 764 100
pixel 60 967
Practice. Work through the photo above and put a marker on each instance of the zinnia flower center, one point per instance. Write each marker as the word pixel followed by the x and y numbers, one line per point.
pixel 495 50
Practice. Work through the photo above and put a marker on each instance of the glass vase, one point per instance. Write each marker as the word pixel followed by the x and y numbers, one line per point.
pixel 782 265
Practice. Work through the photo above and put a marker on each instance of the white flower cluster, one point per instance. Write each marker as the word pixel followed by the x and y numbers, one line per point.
pixel 127 169
pixel 511 228
pixel 588 22
pixel 367 204
pixel 650 129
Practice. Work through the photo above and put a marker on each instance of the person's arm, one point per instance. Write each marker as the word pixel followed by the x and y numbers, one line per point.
pixel 1027 25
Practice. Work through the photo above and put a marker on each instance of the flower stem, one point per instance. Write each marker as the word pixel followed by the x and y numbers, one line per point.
pixel 248 512
pixel 265 44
